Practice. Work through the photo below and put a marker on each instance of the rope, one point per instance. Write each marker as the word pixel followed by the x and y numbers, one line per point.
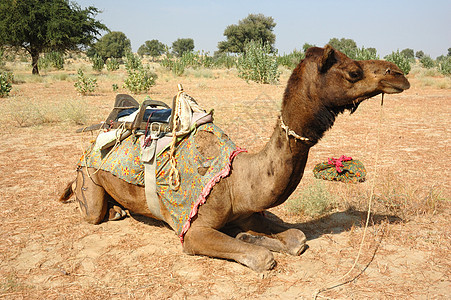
pixel 328 288
pixel 174 174
pixel 290 132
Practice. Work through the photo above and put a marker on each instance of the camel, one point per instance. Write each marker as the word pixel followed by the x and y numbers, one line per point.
pixel 323 85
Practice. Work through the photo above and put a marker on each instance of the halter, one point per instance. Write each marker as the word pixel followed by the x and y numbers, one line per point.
pixel 290 132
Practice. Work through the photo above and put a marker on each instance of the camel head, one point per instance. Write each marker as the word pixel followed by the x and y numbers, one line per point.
pixel 327 82
pixel 343 83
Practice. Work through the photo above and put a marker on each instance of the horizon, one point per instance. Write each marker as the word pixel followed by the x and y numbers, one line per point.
pixel 386 25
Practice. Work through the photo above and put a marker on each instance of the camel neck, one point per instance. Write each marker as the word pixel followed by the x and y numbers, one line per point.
pixel 273 173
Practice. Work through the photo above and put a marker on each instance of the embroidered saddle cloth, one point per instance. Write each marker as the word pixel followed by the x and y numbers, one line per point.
pixel 124 161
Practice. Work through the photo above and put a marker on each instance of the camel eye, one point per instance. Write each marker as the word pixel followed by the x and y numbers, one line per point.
pixel 354 76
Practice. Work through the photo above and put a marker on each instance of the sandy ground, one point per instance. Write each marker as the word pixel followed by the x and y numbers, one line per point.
pixel 48 253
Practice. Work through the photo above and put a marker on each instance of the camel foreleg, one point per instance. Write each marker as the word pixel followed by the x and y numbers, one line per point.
pixel 259 230
pixel 210 242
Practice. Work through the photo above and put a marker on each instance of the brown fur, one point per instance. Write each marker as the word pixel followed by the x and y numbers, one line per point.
pixel 323 85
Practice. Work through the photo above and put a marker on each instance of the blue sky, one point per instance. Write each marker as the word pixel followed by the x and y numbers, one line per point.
pixel 382 24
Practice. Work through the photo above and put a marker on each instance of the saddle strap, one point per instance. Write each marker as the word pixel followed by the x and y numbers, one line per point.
pixel 149 159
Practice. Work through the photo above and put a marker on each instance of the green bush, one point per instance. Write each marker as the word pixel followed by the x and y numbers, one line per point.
pixel 52 60
pixel 6 79
pixel 97 63
pixel 224 60
pixel 400 60
pixel 291 60
pixel 444 66
pixel 133 62
pixel 427 62
pixel 139 81
pixel 176 65
pixel 2 60
pixel 365 54
pixel 258 64
pixel 313 200
pixel 112 64
pixel 85 85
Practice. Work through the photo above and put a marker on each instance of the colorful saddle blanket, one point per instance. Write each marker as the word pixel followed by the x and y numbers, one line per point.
pixel 125 163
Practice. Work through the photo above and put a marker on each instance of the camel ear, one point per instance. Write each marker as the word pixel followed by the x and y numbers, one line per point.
pixel 327 60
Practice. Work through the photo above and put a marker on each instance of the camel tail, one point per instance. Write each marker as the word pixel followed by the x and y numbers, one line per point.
pixel 68 192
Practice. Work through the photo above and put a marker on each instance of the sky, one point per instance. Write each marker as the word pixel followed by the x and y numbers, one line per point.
pixel 387 25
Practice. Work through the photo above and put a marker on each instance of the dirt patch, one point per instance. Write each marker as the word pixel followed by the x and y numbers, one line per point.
pixel 46 252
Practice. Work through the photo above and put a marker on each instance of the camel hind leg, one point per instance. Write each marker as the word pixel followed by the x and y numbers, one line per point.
pixel 91 197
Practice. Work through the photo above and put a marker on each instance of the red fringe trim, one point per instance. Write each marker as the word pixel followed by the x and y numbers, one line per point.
pixel 207 189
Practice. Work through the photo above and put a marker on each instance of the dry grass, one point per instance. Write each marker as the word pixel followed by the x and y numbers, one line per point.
pixel 47 253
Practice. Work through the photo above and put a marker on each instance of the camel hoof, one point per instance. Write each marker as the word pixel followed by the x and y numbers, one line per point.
pixel 260 261
pixel 296 243
pixel 116 213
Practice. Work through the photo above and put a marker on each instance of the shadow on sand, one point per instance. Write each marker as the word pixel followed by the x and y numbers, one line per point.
pixel 336 222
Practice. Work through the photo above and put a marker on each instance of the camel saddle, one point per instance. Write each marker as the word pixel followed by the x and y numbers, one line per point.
pixel 150 111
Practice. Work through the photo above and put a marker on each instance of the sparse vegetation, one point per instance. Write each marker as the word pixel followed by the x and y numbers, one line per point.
pixel 400 60
pixel 112 64
pixel 140 80
pixel 52 59
pixel 258 64
pixel 85 85
pixel 6 79
pixel 97 63
pixel 313 201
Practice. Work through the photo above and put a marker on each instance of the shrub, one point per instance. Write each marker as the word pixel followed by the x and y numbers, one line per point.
pixel 258 64
pixel 140 80
pixel 176 65
pixel 427 62
pixel 291 60
pixel 314 200
pixel 6 78
pixel 2 60
pixel 400 60
pixel 444 66
pixel 224 60
pixel 52 59
pixel 112 64
pixel 365 54
pixel 97 63
pixel 85 85
pixel 133 62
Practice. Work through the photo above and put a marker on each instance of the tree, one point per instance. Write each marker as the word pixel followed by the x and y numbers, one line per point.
pixel 255 27
pixel 181 46
pixel 114 44
pixel 449 51
pixel 408 53
pixel 40 26
pixel 153 48
pixel 419 54
pixel 347 46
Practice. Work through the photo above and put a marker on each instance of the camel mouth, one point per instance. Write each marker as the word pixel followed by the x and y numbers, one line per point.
pixel 394 88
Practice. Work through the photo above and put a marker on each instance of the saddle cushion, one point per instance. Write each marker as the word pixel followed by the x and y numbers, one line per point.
pixel 150 115
pixel 125 163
